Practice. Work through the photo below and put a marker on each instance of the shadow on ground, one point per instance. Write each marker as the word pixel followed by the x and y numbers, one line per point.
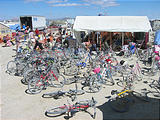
pixel 139 110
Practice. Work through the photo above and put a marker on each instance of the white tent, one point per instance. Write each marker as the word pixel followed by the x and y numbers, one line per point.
pixel 112 23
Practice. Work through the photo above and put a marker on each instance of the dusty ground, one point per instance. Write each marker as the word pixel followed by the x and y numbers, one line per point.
pixel 15 104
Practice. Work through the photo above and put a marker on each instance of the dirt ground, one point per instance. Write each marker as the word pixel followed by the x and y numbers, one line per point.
pixel 15 104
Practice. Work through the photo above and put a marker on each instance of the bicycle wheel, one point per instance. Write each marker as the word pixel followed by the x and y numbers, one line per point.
pixel 27 76
pixel 56 111
pixel 154 68
pixel 11 67
pixel 93 87
pixel 35 85
pixel 120 83
pixel 91 103
pixel 114 61
pixel 142 97
pixel 57 80
pixel 76 92
pixel 70 70
pixel 55 95
pixel 119 104
pixel 155 94
pixel 109 76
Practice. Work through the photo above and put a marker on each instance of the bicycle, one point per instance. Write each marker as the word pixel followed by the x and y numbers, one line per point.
pixel 91 84
pixel 48 78
pixel 103 74
pixel 78 106
pixel 155 84
pixel 72 93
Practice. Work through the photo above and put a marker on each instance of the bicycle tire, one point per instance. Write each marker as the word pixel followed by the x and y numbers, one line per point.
pixel 120 83
pixel 27 76
pixel 71 70
pixel 119 105
pixel 154 94
pixel 140 96
pixel 93 87
pixel 35 85
pixel 69 81
pixel 109 75
pixel 57 111
pixel 59 82
pixel 154 68
pixel 53 95
pixel 91 103
pixel 114 61
pixel 76 92
pixel 11 67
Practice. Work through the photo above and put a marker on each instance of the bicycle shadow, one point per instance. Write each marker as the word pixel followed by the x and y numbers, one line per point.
pixel 139 110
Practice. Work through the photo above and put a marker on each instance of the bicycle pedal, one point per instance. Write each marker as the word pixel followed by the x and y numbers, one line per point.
pixel 144 89
pixel 145 81
pixel 44 88
pixel 16 74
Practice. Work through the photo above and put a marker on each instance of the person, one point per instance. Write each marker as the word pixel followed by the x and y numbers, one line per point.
pixel 9 41
pixel 93 43
pixel 37 32
pixel 4 40
pixel 66 42
pixel 31 38
pixel 23 27
pixel 64 31
pixel 25 35
pixel 17 41
pixel 31 35
pixel 37 43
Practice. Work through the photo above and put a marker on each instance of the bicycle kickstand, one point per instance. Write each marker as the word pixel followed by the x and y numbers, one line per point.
pixel 94 115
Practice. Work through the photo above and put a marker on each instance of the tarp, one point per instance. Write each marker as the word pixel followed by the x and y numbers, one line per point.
pixel 15 27
pixel 157 38
pixel 112 23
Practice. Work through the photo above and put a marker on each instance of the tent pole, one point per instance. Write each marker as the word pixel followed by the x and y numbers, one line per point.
pixel 100 41
pixel 97 38
pixel 110 39
pixel 122 38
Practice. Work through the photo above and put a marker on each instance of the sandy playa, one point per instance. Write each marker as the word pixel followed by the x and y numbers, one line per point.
pixel 17 105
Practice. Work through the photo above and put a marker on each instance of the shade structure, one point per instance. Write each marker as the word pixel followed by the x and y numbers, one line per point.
pixel 112 23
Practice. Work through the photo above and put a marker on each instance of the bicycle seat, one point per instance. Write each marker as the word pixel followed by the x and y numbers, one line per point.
pixel 40 71
pixel 113 92
pixel 122 62
pixel 131 66
pixel 96 70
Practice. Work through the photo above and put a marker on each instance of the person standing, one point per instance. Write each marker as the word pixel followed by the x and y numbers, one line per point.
pixel 23 27
pixel 37 32
pixel 17 42
pixel 38 44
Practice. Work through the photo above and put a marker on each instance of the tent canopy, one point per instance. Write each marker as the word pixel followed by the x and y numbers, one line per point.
pixel 112 23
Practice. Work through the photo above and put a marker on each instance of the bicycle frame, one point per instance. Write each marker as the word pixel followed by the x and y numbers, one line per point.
pixel 136 69
pixel 44 78
pixel 83 64
pixel 74 107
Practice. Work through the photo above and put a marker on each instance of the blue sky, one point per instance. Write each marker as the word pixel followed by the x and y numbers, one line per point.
pixel 71 8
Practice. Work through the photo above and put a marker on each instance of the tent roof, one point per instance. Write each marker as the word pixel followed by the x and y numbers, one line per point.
pixel 112 23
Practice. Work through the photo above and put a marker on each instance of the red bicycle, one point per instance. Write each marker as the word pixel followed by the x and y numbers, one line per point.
pixel 47 78
pixel 78 106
